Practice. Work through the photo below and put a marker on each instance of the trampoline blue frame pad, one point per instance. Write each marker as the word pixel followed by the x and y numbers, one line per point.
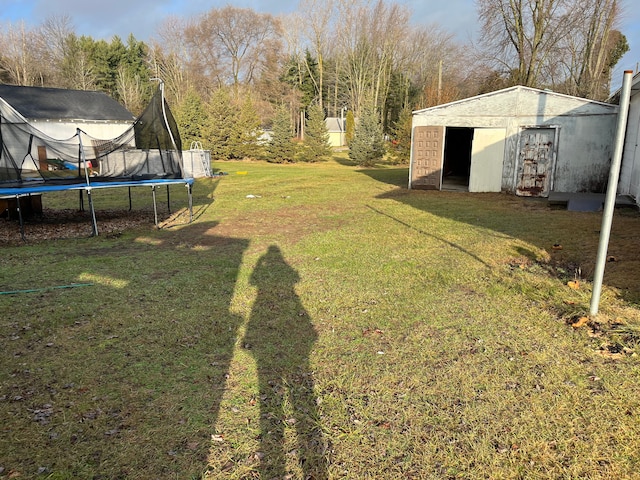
pixel 26 189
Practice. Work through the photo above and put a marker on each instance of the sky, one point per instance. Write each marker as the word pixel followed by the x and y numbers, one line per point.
pixel 105 19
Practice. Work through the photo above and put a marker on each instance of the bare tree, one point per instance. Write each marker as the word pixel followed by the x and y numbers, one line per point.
pixel 319 17
pixel 20 55
pixel 591 48
pixel 232 42
pixel 130 90
pixel 522 34
pixel 170 60
pixel 569 45
pixel 55 32
pixel 438 67
pixel 370 37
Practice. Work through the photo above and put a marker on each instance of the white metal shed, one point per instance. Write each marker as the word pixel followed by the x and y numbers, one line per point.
pixel 520 140
pixel 629 182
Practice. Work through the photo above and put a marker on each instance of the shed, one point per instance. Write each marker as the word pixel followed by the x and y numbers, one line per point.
pixel 629 181
pixel 59 112
pixel 520 140
pixel 335 129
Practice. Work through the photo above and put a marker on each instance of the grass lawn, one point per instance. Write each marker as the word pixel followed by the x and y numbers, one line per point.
pixel 319 322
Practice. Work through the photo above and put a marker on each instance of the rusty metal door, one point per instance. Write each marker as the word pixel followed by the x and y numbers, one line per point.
pixel 535 165
pixel 428 147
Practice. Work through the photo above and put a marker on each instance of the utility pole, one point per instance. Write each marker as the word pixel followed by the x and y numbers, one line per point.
pixel 439 81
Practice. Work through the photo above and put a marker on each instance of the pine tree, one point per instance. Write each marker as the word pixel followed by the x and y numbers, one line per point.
pixel 401 144
pixel 191 118
pixel 280 148
pixel 245 130
pixel 367 146
pixel 219 125
pixel 316 140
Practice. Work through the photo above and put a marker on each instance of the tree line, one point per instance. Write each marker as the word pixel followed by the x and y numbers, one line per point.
pixel 231 72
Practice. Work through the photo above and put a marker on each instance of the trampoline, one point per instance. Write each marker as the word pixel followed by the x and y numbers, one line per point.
pixel 148 154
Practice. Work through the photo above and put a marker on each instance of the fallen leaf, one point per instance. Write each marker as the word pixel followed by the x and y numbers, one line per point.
pixel 217 438
pixel 575 284
pixel 556 246
pixel 611 258
pixel 581 322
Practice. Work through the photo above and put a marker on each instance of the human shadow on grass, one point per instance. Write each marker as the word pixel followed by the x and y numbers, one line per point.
pixel 280 336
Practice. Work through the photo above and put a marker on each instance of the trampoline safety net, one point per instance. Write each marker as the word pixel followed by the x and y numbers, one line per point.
pixel 150 149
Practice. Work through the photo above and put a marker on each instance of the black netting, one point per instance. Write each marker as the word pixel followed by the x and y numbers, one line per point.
pixel 150 149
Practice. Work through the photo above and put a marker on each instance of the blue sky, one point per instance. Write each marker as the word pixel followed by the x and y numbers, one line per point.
pixel 141 17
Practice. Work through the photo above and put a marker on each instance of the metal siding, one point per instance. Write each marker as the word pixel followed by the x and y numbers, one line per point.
pixel 630 172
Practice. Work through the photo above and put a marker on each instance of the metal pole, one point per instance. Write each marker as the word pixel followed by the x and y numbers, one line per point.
pixel 20 218
pixel 93 213
pixel 155 208
pixel 612 186
pixel 83 156
pixel 189 193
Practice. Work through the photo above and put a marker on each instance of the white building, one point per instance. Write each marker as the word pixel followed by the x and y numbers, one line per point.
pixel 629 181
pixel 520 140
pixel 59 112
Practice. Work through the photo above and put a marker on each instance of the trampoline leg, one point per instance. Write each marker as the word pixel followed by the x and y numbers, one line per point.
pixel 168 200
pixel 80 201
pixel 20 218
pixel 93 214
pixel 130 205
pixel 155 207
pixel 190 202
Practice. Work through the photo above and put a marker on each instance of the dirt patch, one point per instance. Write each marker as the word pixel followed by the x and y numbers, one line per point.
pixel 69 223
pixel 292 223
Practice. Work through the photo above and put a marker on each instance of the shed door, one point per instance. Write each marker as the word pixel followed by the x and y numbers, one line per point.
pixel 535 165
pixel 426 168
pixel 487 158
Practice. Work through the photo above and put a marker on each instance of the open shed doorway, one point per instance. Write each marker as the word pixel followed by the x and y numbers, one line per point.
pixel 457 158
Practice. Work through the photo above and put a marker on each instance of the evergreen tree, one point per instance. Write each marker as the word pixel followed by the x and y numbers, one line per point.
pixel 191 118
pixel 367 145
pixel 301 74
pixel 316 139
pixel 219 125
pixel 280 148
pixel 245 130
pixel 350 127
pixel 401 143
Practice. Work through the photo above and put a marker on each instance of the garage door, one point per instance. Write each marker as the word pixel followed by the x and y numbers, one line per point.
pixel 535 166
pixel 426 160
pixel 487 157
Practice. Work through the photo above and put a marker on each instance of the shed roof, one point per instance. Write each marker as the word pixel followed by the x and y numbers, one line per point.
pixel 635 89
pixel 333 124
pixel 514 98
pixel 38 103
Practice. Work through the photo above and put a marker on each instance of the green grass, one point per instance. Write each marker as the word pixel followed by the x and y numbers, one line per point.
pixel 335 325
